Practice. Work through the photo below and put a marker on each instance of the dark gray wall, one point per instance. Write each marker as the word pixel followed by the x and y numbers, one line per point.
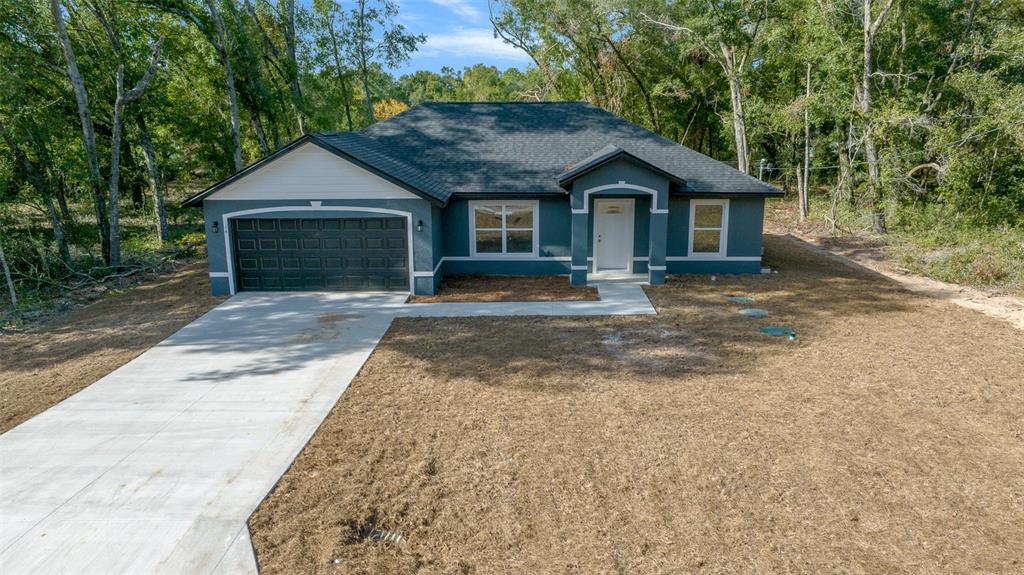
pixel 746 220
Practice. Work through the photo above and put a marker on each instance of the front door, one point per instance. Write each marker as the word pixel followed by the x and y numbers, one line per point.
pixel 613 235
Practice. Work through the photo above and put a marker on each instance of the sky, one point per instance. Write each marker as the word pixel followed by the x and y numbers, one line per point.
pixel 458 35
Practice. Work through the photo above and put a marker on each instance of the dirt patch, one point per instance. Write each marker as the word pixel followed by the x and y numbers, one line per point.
pixel 469 288
pixel 870 253
pixel 52 361
pixel 886 438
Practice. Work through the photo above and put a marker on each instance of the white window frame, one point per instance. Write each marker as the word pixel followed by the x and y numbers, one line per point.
pixel 723 242
pixel 534 206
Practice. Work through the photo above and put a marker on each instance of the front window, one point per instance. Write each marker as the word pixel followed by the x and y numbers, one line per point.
pixel 503 228
pixel 708 231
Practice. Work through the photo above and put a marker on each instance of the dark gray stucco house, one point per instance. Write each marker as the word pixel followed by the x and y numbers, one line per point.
pixel 553 188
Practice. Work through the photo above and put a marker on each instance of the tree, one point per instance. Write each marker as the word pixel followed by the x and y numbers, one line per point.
pixel 88 130
pixel 328 14
pixel 726 32
pixel 371 37
pixel 12 293
pixel 224 50
pixel 384 109
pixel 871 26
pixel 155 181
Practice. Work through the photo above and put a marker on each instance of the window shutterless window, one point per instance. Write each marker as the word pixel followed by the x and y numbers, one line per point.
pixel 709 228
pixel 503 228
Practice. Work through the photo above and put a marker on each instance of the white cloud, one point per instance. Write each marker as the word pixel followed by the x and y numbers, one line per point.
pixel 461 8
pixel 471 42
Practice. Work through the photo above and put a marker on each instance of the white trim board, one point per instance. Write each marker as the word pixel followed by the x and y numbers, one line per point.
pixel 712 258
pixel 619 186
pixel 313 207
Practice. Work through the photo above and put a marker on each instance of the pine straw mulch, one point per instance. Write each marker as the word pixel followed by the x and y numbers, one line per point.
pixel 470 288
pixel 56 359
pixel 888 438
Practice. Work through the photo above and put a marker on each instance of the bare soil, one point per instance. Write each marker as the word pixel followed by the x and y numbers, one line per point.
pixel 887 438
pixel 477 288
pixel 54 360
pixel 870 253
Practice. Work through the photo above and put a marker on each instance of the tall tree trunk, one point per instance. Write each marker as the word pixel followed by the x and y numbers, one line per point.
pixel 739 124
pixel 261 135
pixel 131 166
pixel 62 197
pixel 229 74
pixel 88 131
pixel 871 26
pixel 739 120
pixel 364 64
pixel 7 275
pixel 805 181
pixel 123 99
pixel 155 182
pixel 339 70
pixel 58 232
pixel 293 64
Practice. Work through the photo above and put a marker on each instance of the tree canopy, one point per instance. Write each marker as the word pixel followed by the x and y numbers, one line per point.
pixel 912 109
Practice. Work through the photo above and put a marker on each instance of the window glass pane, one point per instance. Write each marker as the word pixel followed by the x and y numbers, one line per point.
pixel 707 216
pixel 488 242
pixel 519 242
pixel 488 216
pixel 518 216
pixel 707 242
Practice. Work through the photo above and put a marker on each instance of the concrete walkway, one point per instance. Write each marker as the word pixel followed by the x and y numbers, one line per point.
pixel 156 467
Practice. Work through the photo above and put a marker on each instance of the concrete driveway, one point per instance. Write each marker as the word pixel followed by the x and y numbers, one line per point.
pixel 156 467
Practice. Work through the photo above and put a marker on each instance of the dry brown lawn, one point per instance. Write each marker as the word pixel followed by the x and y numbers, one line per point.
pixel 888 438
pixel 45 365
pixel 468 288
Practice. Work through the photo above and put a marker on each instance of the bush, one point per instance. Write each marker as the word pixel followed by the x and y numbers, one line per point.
pixel 192 243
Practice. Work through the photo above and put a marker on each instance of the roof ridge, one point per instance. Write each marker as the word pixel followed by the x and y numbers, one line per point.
pixel 503 102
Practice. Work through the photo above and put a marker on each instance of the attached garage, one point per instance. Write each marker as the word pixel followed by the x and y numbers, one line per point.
pixel 324 213
pixel 319 254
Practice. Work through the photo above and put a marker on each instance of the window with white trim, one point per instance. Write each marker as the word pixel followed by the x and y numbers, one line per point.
pixel 709 225
pixel 503 228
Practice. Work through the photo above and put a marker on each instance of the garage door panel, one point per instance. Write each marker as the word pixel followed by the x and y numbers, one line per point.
pixel 343 254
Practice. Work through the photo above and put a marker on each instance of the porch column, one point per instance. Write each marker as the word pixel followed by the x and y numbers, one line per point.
pixel 659 241
pixel 578 273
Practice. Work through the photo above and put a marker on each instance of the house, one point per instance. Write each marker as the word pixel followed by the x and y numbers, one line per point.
pixel 545 188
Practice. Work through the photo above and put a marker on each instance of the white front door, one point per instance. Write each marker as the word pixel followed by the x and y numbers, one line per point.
pixel 613 235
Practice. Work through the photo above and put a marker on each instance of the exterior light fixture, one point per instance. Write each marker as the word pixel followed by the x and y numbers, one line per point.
pixel 419 226
pixel 216 227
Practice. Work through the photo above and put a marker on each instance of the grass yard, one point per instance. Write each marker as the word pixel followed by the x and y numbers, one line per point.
pixel 52 361
pixel 469 288
pixel 888 438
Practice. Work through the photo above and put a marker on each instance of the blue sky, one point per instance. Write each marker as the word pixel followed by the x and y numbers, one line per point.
pixel 458 35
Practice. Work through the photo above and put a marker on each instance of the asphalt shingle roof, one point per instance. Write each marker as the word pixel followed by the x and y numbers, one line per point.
pixel 522 148
pixel 441 149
